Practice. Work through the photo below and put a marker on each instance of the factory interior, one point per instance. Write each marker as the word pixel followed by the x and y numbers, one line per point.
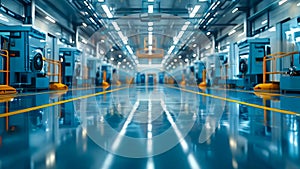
pixel 149 84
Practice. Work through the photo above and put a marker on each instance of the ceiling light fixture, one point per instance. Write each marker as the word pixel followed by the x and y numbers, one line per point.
pixel 107 11
pixel 234 10
pixel 116 26
pixel 129 49
pixel 195 10
pixel 50 19
pixel 264 22
pixel 171 49
pixel 231 32
pixel 282 2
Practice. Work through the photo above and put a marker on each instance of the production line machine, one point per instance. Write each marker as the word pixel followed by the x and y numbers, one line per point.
pixel 251 55
pixel 25 48
pixel 70 59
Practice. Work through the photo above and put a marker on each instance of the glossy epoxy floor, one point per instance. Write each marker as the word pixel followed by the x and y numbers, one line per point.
pixel 157 127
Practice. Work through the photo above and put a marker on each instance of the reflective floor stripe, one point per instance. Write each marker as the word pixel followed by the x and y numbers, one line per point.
pixel 238 102
pixel 58 103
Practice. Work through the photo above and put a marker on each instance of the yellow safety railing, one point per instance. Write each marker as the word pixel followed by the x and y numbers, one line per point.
pixel 55 85
pixel 5 88
pixel 54 74
pixel 274 57
pixel 4 54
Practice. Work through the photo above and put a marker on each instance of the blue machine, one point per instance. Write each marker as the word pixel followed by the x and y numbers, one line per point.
pixel 251 54
pixel 161 77
pixel 199 67
pixel 26 50
pixel 150 79
pixel 69 57
pixel 138 78
pixel 143 78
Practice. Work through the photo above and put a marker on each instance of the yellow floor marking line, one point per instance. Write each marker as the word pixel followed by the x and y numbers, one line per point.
pixel 47 92
pixel 238 102
pixel 58 103
pixel 252 92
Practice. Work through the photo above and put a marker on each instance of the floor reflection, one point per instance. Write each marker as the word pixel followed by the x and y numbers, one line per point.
pixel 221 134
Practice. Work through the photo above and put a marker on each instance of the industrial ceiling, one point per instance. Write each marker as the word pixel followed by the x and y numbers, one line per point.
pixel 165 29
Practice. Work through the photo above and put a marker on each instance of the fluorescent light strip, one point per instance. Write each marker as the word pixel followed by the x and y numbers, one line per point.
pixel 184 27
pixel 107 11
pixel 150 8
pixel 195 10
pixel 116 26
pixel 129 49
pixel 210 20
pixel 231 32
pixel 264 22
pixel 215 6
pixel 282 2
pixel 171 49
pixel 50 19
pixel 234 10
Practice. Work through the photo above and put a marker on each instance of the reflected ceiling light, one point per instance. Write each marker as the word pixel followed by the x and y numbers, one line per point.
pixel 107 11
pixel 101 0
pixel 234 10
pixel 150 38
pixel 124 60
pixel 194 55
pixel 150 8
pixel 120 56
pixel 84 24
pixel 150 23
pixel 112 49
pixel 150 29
pixel 298 4
pixel 282 2
pixel 50 19
pixel 150 0
pixel 175 60
pixel 208 33
pixel 195 10
pixel 186 60
pixel 86 4
pixel 112 59
pixel 119 63
pixel 195 45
